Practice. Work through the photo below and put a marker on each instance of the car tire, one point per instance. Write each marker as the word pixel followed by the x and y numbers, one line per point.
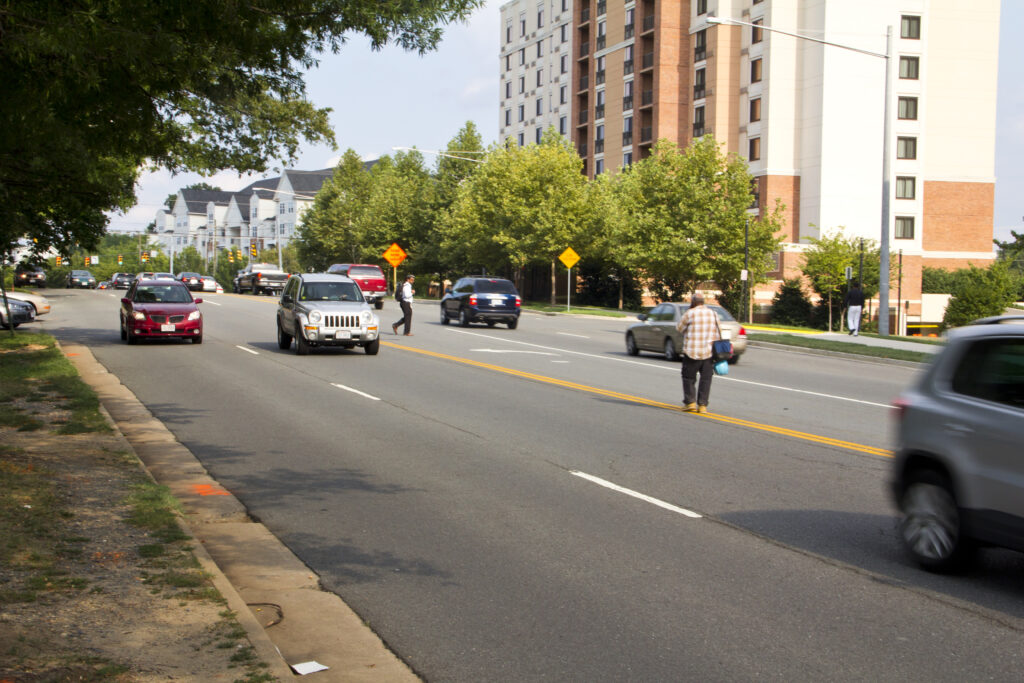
pixel 379 304
pixel 463 318
pixel 129 337
pixel 931 526
pixel 284 340
pixel 301 345
pixel 631 347
pixel 444 315
pixel 513 324
pixel 197 339
pixel 372 348
pixel 124 335
pixel 670 350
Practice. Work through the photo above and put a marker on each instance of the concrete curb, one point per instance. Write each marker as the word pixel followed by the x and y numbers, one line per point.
pixel 249 565
pixel 835 354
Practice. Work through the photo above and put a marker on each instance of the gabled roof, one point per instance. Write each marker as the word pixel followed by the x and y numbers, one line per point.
pixel 264 187
pixel 196 200
pixel 308 182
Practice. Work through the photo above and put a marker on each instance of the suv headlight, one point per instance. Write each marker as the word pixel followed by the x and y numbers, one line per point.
pixel 366 317
pixel 138 315
pixel 315 317
pixel 195 315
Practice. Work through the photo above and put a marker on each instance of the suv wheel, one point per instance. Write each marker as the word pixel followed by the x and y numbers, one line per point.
pixel 372 348
pixel 444 315
pixel 284 340
pixel 301 345
pixel 931 525
pixel 463 317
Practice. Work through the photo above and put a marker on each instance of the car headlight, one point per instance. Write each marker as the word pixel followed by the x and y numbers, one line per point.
pixel 315 317
pixel 366 317
pixel 138 315
pixel 195 315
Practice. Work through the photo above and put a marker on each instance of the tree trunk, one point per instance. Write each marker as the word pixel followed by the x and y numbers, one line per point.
pixel 830 311
pixel 553 283
pixel 621 288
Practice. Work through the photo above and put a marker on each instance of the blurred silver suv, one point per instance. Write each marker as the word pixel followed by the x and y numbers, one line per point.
pixel 958 475
pixel 317 309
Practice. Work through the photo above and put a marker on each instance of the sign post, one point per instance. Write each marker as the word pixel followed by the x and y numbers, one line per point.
pixel 570 258
pixel 394 255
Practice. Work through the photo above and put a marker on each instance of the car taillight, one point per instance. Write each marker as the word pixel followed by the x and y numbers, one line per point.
pixel 900 406
pixel 259 276
pixel 519 302
pixel 743 332
pixel 472 300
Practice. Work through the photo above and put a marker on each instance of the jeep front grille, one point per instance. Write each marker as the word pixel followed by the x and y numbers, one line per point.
pixel 341 321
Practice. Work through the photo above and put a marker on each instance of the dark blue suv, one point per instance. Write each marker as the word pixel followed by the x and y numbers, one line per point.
pixel 481 299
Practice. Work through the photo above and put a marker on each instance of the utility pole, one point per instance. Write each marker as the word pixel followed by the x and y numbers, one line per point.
pixel 746 271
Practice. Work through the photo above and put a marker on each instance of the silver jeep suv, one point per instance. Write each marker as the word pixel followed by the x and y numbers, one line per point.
pixel 958 475
pixel 319 309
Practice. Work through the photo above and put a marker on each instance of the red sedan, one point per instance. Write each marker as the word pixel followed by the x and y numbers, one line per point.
pixel 160 308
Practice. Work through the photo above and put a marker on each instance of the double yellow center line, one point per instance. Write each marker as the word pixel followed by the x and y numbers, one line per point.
pixel 735 421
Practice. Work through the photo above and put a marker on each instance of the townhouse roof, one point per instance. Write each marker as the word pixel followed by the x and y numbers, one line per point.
pixel 196 200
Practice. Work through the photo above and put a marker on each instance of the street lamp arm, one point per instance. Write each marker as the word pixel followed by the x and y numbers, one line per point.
pixel 737 22
pixel 442 154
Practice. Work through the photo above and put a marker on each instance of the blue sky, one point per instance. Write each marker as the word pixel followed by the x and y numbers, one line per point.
pixel 396 99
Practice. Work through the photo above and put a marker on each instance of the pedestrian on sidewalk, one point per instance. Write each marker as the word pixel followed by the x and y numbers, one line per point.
pixel 699 327
pixel 405 301
pixel 854 303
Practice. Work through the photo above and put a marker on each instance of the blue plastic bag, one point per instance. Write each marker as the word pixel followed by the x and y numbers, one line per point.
pixel 722 367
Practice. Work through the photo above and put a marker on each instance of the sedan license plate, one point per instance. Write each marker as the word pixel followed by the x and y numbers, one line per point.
pixel 167 328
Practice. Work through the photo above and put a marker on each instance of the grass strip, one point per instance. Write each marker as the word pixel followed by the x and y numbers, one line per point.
pixel 576 310
pixel 841 347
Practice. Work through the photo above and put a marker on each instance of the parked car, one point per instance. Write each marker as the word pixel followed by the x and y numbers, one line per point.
pixel 207 283
pixel 21 312
pixel 657 332
pixel 154 309
pixel 482 299
pixel 371 280
pixel 193 281
pixel 958 475
pixel 82 279
pixel 122 280
pixel 323 309
pixel 104 284
pixel 26 275
pixel 40 304
pixel 261 278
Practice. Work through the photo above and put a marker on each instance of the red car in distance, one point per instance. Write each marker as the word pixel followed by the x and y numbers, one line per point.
pixel 370 278
pixel 154 309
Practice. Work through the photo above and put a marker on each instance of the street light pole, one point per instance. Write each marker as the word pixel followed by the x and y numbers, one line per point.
pixel 883 277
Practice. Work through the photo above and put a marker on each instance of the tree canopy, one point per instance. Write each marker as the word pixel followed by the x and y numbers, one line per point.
pixel 95 89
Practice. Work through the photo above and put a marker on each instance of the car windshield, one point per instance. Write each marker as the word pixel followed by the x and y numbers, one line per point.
pixel 189 275
pixel 495 287
pixel 330 291
pixel 80 273
pixel 263 266
pixel 163 294
pixel 366 270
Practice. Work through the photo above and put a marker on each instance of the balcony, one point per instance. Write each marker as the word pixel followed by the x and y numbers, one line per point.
pixel 647 62
pixel 599 77
pixel 585 49
pixel 648 23
pixel 700 53
pixel 602 7
pixel 645 135
pixel 598 146
pixel 627 103
pixel 599 112
pixel 583 149
pixel 584 82
pixel 585 15
pixel 627 138
pixel 602 42
pixel 584 117
pixel 698 129
pixel 698 91
pixel 647 98
pixel 627 67
pixel 629 31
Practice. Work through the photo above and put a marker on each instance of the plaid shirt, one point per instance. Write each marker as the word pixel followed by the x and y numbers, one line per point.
pixel 699 326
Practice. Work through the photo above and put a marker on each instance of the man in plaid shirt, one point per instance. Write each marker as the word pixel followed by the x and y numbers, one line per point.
pixel 699 327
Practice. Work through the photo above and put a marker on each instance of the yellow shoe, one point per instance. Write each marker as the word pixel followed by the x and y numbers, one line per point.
pixel 702 409
pixel 690 407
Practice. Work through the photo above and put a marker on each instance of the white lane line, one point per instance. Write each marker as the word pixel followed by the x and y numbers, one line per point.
pixel 212 303
pixel 355 391
pixel 559 361
pixel 255 353
pixel 532 353
pixel 675 368
pixel 570 334
pixel 635 494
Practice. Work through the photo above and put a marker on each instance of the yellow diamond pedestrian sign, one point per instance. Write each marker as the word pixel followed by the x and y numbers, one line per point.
pixel 569 257
pixel 394 255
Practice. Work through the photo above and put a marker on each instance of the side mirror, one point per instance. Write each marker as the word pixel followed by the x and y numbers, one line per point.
pixel 198 301
pixel 642 317
pixel 286 298
pixel 125 300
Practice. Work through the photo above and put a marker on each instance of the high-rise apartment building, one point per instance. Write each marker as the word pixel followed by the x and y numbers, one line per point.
pixel 808 117
pixel 536 68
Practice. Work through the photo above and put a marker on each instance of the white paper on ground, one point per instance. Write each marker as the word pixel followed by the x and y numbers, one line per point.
pixel 308 668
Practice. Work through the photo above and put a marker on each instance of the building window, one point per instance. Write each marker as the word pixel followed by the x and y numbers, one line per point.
pixel 522 24
pixel 755 149
pixel 907 108
pixel 540 106
pixel 508 89
pixel 909 67
pixel 702 7
pixel 905 187
pixel 508 117
pixel 565 32
pixel 906 148
pixel 540 18
pixel 563 94
pixel 519 139
pixel 540 77
pixel 755 109
pixel 756 32
pixel 700 45
pixel 508 62
pixel 699 82
pixel 755 71
pixel 540 48
pixel 565 64
pixel 698 121
pixel 563 125
pixel 508 33
pixel 627 158
pixel 522 112
pixel 910 27
pixel 522 84
pixel 598 166
pixel 537 133
pixel 565 5
pixel 904 227
pixel 522 56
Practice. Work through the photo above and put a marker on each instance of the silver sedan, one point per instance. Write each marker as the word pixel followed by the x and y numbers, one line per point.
pixel 657 332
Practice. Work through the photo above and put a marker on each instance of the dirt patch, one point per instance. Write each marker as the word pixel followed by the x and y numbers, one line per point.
pixel 86 594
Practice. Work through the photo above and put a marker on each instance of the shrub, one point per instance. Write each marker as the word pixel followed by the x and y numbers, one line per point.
pixel 790 306
pixel 978 293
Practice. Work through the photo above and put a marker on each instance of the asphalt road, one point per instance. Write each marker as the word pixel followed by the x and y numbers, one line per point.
pixel 531 505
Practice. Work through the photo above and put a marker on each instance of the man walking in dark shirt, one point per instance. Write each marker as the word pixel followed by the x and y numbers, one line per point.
pixel 855 304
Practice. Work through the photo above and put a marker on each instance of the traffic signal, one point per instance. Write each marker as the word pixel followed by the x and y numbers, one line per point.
pixel 252 250
pixel 60 261
pixel 120 260
pixel 145 256
pixel 231 255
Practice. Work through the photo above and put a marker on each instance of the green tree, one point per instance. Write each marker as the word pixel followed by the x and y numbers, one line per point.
pixel 981 292
pixel 463 154
pixel 97 89
pixel 825 264
pixel 522 206
pixel 1012 252
pixel 683 215
pixel 399 208
pixel 790 305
